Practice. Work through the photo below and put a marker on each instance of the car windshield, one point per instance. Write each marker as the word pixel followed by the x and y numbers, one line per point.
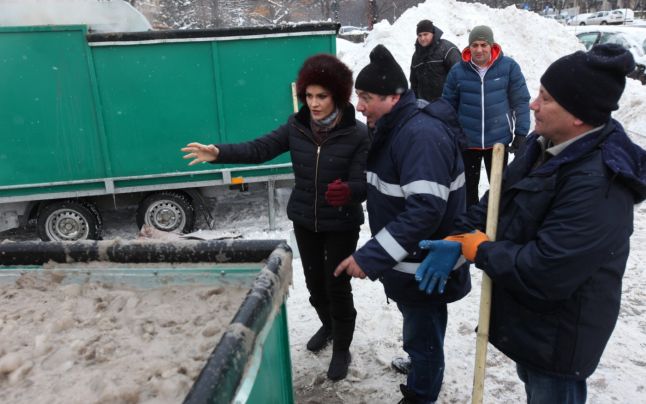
pixel 588 39
pixel 616 38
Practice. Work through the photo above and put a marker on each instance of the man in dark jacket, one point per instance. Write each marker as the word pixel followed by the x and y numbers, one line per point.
pixel 566 216
pixel 432 60
pixel 415 189
pixel 489 92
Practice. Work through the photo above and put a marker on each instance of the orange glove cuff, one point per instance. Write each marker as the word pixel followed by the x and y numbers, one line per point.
pixel 470 243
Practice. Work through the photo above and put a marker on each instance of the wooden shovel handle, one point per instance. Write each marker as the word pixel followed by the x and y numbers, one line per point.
pixel 482 338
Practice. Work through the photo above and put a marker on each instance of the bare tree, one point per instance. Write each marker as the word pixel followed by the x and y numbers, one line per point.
pixel 391 9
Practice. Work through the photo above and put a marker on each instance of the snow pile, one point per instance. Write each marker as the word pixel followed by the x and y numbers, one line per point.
pixel 99 15
pixel 533 41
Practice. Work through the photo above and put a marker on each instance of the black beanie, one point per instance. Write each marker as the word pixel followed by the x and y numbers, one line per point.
pixel 425 26
pixel 589 84
pixel 382 75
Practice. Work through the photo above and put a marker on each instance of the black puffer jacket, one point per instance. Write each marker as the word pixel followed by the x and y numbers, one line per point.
pixel 341 155
pixel 430 65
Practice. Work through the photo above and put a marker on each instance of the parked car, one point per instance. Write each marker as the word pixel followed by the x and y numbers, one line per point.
pixel 353 34
pixel 627 15
pixel 562 19
pixel 579 19
pixel 615 17
pixel 594 37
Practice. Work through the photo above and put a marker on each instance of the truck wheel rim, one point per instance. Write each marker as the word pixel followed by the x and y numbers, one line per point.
pixel 166 215
pixel 66 225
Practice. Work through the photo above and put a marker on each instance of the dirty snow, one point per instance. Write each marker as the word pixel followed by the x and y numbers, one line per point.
pixel 98 342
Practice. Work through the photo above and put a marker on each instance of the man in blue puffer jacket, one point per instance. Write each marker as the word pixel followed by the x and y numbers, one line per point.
pixel 489 92
pixel 563 239
pixel 415 190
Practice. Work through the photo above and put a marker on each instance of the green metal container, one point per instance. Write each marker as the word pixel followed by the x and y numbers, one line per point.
pixel 85 115
pixel 250 367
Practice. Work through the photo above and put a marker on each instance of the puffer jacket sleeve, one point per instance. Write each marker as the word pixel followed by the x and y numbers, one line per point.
pixel 574 235
pixel 519 99
pixel 425 166
pixel 258 150
pixel 452 56
pixel 451 92
pixel 413 78
pixel 357 172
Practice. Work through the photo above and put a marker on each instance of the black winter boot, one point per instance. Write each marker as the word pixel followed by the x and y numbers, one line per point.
pixel 409 396
pixel 320 339
pixel 339 365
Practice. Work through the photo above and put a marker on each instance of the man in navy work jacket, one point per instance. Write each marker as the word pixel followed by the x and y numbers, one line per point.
pixel 490 94
pixel 415 191
pixel 566 216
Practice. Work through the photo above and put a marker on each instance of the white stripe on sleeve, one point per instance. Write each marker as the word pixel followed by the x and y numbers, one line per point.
pixel 392 247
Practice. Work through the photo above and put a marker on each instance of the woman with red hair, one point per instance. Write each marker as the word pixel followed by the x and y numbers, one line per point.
pixel 328 148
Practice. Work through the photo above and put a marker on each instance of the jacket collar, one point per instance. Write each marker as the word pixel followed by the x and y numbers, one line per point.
pixel 625 160
pixel 406 105
pixel 496 53
pixel 303 117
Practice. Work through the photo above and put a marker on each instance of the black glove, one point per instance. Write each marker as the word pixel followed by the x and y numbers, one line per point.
pixel 517 144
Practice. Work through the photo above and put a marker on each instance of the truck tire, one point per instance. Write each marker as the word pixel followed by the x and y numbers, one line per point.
pixel 68 220
pixel 167 211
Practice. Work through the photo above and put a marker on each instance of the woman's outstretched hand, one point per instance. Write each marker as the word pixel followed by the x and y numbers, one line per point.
pixel 200 153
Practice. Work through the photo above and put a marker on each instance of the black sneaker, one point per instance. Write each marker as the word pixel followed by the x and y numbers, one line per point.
pixel 401 365
pixel 339 365
pixel 319 340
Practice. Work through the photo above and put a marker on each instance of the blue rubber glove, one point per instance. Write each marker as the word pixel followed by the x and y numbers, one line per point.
pixel 441 259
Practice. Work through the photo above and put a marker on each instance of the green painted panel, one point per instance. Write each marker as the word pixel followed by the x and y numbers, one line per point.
pixel 273 383
pixel 259 82
pixel 47 120
pixel 155 98
pixel 161 96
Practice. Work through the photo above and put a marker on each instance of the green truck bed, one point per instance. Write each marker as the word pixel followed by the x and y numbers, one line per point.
pixel 86 115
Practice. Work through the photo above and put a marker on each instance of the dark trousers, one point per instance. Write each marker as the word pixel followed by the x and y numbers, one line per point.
pixel 331 296
pixel 472 164
pixel 424 330
pixel 542 388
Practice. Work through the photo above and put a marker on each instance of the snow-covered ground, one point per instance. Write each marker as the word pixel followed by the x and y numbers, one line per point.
pixel 534 42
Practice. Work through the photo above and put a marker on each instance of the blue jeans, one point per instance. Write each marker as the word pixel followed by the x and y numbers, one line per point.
pixel 424 330
pixel 542 388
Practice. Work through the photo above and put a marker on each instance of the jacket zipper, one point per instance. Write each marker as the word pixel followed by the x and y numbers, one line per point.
pixel 482 106
pixel 481 101
pixel 316 173
pixel 482 109
pixel 316 190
